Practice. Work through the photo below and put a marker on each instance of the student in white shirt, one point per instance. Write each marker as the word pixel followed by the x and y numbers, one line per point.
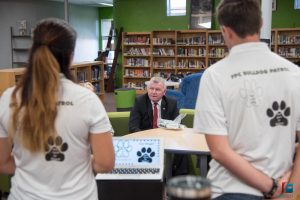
pixel 248 108
pixel 53 124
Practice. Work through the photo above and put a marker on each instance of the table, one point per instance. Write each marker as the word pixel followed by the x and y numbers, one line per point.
pixel 182 141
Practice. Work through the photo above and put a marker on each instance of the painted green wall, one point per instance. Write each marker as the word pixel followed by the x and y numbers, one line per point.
pixel 285 15
pixel 148 15
pixel 104 13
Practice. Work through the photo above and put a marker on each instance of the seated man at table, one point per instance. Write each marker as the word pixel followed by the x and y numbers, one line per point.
pixel 148 108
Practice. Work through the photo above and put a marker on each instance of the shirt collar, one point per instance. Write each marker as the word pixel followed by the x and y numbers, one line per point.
pixel 158 103
pixel 249 46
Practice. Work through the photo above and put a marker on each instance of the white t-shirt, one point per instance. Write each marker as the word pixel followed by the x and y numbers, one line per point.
pixel 65 171
pixel 252 96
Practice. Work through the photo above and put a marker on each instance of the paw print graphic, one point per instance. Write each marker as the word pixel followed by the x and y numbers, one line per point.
pixel 251 93
pixel 55 148
pixel 145 155
pixel 123 148
pixel 278 114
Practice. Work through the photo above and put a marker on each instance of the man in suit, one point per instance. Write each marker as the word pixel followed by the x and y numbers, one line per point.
pixel 142 113
pixel 148 108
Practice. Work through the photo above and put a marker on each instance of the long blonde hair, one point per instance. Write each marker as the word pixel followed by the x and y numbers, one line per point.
pixel 34 100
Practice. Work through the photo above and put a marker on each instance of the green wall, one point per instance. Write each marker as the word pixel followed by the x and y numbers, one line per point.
pixel 148 15
pixel 285 15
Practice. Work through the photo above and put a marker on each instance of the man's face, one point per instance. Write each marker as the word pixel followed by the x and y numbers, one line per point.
pixel 156 91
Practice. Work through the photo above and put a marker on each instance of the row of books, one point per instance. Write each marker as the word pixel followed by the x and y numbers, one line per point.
pixel 96 73
pixel 163 41
pixel 217 52
pixel 289 39
pixel 164 64
pixel 216 40
pixel 137 40
pixel 199 40
pixel 82 76
pixel 191 52
pixel 138 62
pixel 163 52
pixel 97 87
pixel 289 52
pixel 136 85
pixel 163 74
pixel 137 73
pixel 137 52
pixel 193 64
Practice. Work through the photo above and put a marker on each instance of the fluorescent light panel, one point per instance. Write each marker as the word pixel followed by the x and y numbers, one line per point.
pixel 106 4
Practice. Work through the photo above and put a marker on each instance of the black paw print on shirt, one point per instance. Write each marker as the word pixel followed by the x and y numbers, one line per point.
pixel 278 114
pixel 145 155
pixel 54 149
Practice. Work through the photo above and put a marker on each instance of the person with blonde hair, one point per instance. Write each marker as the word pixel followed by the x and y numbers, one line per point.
pixel 49 125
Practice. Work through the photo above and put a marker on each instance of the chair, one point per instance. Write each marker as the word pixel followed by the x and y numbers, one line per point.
pixel 119 122
pixel 4 184
pixel 188 121
pixel 187 95
pixel 124 98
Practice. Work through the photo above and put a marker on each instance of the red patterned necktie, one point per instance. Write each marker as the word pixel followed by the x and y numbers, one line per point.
pixel 155 115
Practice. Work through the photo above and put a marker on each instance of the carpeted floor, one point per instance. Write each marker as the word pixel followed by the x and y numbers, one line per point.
pixel 109 102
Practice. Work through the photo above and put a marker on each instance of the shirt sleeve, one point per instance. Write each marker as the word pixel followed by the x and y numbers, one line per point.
pixel 4 113
pixel 209 113
pixel 99 122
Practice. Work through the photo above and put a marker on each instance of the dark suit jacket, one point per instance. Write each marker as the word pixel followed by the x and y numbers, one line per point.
pixel 141 115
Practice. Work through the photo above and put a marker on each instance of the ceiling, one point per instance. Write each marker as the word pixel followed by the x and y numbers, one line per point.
pixel 96 3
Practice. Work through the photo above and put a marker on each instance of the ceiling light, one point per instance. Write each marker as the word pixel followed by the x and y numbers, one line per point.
pixel 106 4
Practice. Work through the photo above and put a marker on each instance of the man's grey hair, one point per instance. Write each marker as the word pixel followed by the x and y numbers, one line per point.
pixel 157 79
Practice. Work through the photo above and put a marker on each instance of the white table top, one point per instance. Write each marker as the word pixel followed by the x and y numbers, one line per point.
pixel 178 140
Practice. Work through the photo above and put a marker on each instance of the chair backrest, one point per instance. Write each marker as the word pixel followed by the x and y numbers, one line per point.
pixel 119 122
pixel 189 88
pixel 188 121
pixel 124 98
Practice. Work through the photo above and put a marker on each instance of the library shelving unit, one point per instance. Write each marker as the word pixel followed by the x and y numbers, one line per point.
pixel 216 47
pixel 191 51
pixel 9 77
pixel 136 60
pixel 83 72
pixel 92 72
pixel 163 53
pixel 20 46
pixel 288 43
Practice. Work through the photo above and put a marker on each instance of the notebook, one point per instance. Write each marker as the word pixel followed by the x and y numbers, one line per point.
pixel 136 159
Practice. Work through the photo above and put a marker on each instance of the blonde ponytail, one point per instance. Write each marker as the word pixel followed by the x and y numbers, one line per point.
pixel 38 111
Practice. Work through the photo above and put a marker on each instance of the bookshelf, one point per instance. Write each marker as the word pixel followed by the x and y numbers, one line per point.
pixel 216 47
pixel 187 51
pixel 288 43
pixel 163 53
pixel 83 72
pixel 191 51
pixel 20 46
pixel 9 78
pixel 136 59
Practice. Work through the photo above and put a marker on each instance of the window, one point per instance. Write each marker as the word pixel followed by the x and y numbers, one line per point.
pixel 176 7
pixel 297 4
pixel 105 28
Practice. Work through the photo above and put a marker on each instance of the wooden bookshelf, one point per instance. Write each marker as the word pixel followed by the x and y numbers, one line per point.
pixel 187 51
pixel 163 60
pixel 92 72
pixel 136 59
pixel 288 43
pixel 191 48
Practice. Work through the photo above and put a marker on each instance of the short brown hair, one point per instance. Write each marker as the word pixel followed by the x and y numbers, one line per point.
pixel 242 16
